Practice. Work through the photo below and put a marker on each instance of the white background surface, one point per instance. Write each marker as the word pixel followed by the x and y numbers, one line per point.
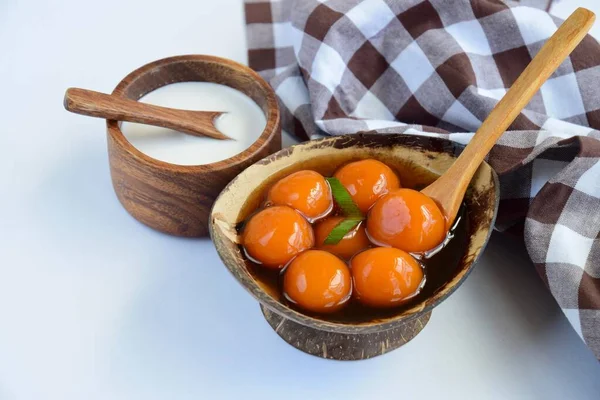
pixel 93 305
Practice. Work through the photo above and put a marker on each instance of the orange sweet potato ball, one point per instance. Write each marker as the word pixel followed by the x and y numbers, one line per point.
pixel 352 243
pixel 306 191
pixel 385 277
pixel 317 281
pixel 407 220
pixel 366 181
pixel 275 235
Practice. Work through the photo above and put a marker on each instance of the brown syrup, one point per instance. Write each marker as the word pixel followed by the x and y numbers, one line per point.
pixel 439 269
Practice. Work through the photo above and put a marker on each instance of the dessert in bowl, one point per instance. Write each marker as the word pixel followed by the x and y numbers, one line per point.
pixel 360 323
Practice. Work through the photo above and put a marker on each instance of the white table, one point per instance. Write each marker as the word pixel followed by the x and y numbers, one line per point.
pixel 93 305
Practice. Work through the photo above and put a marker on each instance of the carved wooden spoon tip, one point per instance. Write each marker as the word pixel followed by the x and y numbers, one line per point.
pixel 100 105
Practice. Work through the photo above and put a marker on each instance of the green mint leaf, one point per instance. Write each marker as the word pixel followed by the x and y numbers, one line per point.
pixel 343 199
pixel 341 230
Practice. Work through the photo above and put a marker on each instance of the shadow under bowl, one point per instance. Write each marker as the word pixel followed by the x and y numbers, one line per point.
pixel 417 160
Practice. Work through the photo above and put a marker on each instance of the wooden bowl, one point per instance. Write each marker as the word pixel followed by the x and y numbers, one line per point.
pixel 371 337
pixel 172 198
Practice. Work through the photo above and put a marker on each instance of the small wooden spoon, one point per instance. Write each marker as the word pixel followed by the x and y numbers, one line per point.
pixel 95 104
pixel 449 189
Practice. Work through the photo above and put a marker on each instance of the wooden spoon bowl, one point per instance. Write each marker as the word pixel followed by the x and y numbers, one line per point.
pixel 410 156
pixel 172 198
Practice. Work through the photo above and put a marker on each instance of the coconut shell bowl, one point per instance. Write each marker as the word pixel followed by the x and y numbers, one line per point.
pixel 177 199
pixel 418 162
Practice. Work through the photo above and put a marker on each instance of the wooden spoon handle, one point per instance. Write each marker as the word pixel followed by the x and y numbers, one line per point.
pixel 95 104
pixel 450 188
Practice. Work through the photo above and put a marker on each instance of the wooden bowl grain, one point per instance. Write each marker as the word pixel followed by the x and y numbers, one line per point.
pixel 172 198
pixel 351 341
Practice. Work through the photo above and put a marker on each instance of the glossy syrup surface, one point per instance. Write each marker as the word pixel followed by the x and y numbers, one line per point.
pixel 440 268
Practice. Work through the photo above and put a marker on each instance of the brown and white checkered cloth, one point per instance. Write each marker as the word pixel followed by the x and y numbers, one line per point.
pixel 437 68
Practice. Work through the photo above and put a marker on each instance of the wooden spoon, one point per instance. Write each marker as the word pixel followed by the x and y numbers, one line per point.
pixel 449 189
pixel 95 104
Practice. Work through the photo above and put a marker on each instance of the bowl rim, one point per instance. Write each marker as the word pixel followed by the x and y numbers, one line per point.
pixel 272 115
pixel 273 305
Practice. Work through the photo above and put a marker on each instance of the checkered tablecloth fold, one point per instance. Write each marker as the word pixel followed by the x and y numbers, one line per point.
pixel 437 68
